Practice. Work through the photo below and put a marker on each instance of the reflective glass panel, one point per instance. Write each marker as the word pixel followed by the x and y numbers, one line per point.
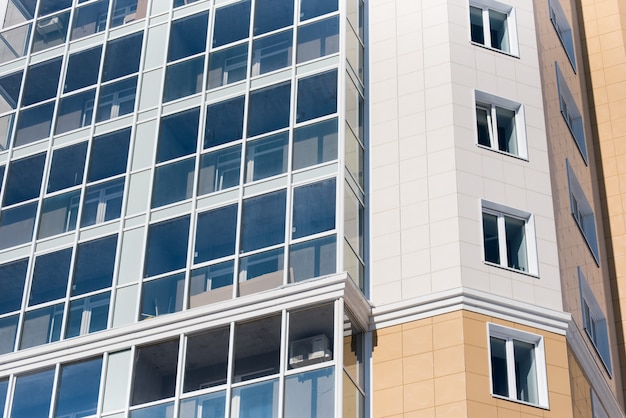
pixel 155 373
pixel 103 202
pixel 183 79
pixel 318 39
pixel 272 52
pixel 188 36
pixel 315 144
pixel 173 182
pixel 68 165
pixel 12 278
pixel 261 271
pixel 14 42
pixel 257 349
pixel 268 109
pixel 216 233
pixel 79 385
pixel 89 19
pixel 206 361
pixel 122 57
pixel 232 23
pixel 8 329
pixel 224 122
pixel 42 81
pixel 178 135
pixel 50 276
pixel 117 99
pixel 317 96
pixel 95 261
pixel 75 112
pixel 24 181
pixel 270 15
pixel 311 336
pixel 109 154
pixel 82 69
pixel 211 284
pixel 59 214
pixel 88 315
pixel 259 400
pixel 25 403
pixel 167 246
pixel 219 170
pixel 17 224
pixel 228 66
pixel 10 91
pixel 162 296
pixel 310 394
pixel 267 157
pixel 314 208
pixel 263 221
pixel 314 8
pixel 50 31
pixel 313 258
pixel 34 124
pixel 42 326
pixel 211 405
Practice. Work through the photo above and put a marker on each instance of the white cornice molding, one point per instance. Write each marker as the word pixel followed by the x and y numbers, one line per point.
pixel 310 292
pixel 593 371
pixel 471 300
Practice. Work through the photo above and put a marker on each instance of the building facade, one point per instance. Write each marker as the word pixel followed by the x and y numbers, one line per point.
pixel 311 208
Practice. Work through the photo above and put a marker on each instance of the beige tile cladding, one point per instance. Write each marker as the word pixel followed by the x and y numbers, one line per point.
pixel 438 368
pixel 604 29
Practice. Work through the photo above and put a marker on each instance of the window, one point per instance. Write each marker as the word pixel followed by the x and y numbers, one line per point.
pixel 263 221
pixel 24 179
pixel 68 165
pixel 167 246
pixel 155 372
pixel 317 96
pixel 517 365
pixel 117 99
pixel 178 135
pixel 268 109
pixel 162 296
pixel 109 155
pixel 492 24
pixel 272 52
pixel 50 277
pixel 50 31
pixel 219 170
pixel 318 39
pixel 582 212
pixel 597 409
pixel 188 36
pixel 313 208
pixel 508 238
pixel 103 202
pixel 10 91
pixel 315 144
pixel 75 111
pixel 173 182
pixel 232 23
pixel 563 30
pixel 267 157
pixel 224 122
pixel 42 81
pixel 78 387
pixel 500 124
pixel 82 69
pixel 89 19
pixel 183 79
pixel 228 66
pixel 313 8
pixel 270 15
pixel 572 116
pixel 34 124
pixel 215 234
pixel 594 321
pixel 122 57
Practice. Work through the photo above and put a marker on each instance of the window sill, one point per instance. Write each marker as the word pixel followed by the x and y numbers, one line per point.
pixel 504 398
pixel 510 54
pixel 525 273
pixel 508 154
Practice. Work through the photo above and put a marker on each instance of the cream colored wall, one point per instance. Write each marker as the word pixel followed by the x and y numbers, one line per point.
pixel 604 24
pixel 439 367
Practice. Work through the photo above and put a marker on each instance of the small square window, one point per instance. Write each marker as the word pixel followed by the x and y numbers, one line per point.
pixel 500 124
pixel 517 365
pixel 572 116
pixel 508 238
pixel 594 321
pixel 582 212
pixel 563 30
pixel 492 24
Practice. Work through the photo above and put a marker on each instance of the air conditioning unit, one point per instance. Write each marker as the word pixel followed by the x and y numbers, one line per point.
pixel 309 350
pixel 48 26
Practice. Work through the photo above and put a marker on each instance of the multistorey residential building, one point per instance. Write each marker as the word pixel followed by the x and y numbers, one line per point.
pixel 311 208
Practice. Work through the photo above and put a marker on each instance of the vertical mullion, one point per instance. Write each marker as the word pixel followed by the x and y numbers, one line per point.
pixel 502 246
pixel 510 366
pixel 486 27
pixel 492 126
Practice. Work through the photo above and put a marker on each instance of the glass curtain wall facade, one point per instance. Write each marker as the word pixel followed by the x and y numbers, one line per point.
pixel 158 158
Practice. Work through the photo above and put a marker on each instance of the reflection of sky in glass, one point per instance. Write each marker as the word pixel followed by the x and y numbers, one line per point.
pixel 80 384
pixel 32 395
pixel 167 246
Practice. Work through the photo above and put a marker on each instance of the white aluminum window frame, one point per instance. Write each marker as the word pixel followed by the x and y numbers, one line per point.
pixel 502 213
pixel 485 6
pixel 510 335
pixel 563 30
pixel 571 113
pixel 583 213
pixel 491 104
pixel 594 322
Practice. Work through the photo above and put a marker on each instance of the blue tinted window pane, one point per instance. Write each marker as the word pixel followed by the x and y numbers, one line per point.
pixel 117 99
pixel 42 81
pixel 103 202
pixel 257 400
pixel 75 112
pixel 89 19
pixel 266 269
pixel 188 36
pixel 34 124
pixel 83 69
pixel 95 261
pixel 317 96
pixel 127 11
pixel 315 144
pixel 173 182
pixel 214 404
pixel 122 57
pixel 263 221
pixel 313 8
pixel 17 224
pixel 270 15
pixel 215 234
pixel 51 6
pixel 59 214
pixel 4 386
pixel 12 278
pixel 162 296
pixel 24 180
pixel 178 135
pixel 10 91
pixel 269 109
pixel 183 79
pixel 167 246
pixel 232 23
pixel 272 52
pixel 8 329
pixel 32 395
pixel 267 157
pixel 6 130
pixel 224 122
pixel 209 285
pixel 313 259
pixel 79 387
pixel 155 373
pixel 228 66
pixel 50 276
pixel 310 394
pixel 219 170
pixel 50 31
pixel 178 3
pixel 157 411
pixel 314 208
pixel 68 165
pixel 109 155
pixel 88 315
pixel 42 326
pixel 318 39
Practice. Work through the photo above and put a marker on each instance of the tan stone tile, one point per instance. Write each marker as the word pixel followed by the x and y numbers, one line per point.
pixel 481 410
pixel 388 402
pixel 417 340
pixel 448 333
pixel 477 360
pixel 419 395
pixel 450 389
pixel 417 368
pixel 388 374
pixel 452 410
pixel 449 360
pixel 479 389
pixel 556 352
pixel 448 316
pixel 504 404
pixel 388 347
pixel 475 332
pixel 416 324
pixel 560 406
pixel 558 379
pixel 508 413
pixel 423 413
pixel 389 330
